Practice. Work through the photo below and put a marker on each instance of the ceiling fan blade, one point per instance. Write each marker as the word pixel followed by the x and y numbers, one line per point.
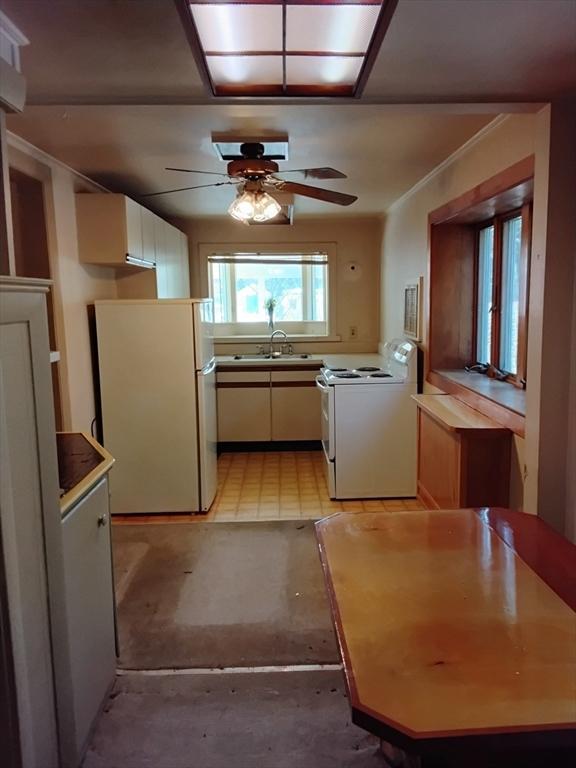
pixel 318 173
pixel 190 170
pixel 185 189
pixel 328 195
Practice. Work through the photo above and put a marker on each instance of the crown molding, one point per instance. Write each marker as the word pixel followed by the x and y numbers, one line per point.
pixel 458 153
pixel 17 142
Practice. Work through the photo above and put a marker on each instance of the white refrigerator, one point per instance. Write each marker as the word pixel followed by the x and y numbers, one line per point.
pixel 158 398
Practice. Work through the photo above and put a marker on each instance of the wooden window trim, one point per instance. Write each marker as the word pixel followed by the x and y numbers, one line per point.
pixel 525 212
pixel 450 327
pixel 524 292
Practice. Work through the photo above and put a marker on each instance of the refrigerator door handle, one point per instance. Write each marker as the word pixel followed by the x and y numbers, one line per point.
pixel 208 368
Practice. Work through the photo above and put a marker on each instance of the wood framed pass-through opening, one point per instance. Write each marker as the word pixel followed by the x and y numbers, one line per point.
pixel 453 307
pixel 31 254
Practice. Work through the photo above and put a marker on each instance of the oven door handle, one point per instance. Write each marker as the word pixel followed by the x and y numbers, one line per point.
pixel 320 384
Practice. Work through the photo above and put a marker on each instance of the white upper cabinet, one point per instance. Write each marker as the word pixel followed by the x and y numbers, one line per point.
pixel 162 287
pixel 184 265
pixel 148 235
pixel 114 230
pixel 109 228
pixel 172 271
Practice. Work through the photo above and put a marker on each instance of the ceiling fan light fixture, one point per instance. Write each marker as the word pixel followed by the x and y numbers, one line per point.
pixel 254 206
pixel 266 207
pixel 243 207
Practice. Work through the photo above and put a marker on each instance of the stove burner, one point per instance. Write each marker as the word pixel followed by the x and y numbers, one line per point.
pixel 380 375
pixel 348 376
pixel 337 369
pixel 368 368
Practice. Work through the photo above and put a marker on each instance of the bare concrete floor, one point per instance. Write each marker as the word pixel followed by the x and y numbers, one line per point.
pixel 258 720
pixel 233 594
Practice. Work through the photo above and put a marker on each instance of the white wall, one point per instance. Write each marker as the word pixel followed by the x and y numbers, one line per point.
pixel 356 239
pixel 405 244
pixel 405 247
pixel 75 285
pixel 543 479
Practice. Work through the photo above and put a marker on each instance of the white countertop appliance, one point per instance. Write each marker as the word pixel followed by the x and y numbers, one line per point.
pixel 369 426
pixel 158 392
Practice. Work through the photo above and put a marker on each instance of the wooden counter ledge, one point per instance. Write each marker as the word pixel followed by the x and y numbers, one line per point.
pixel 455 415
pixel 456 630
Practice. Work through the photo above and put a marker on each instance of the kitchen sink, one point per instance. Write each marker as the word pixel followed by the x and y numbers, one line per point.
pixel 271 357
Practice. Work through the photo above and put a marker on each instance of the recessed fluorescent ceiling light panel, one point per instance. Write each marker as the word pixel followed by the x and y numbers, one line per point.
pixel 324 48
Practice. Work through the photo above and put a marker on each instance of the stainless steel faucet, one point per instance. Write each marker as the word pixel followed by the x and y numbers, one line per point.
pixel 271 347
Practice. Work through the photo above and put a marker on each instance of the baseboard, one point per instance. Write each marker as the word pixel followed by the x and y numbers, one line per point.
pixel 277 445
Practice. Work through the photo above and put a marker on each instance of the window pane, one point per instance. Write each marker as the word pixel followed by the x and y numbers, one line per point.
pixel 241 287
pixel 485 283
pixel 511 246
pixel 220 280
pixel 319 292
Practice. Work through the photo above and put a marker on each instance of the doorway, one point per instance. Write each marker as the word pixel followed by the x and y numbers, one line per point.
pixel 32 255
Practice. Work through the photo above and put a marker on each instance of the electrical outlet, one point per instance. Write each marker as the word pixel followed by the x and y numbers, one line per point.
pixel 353 332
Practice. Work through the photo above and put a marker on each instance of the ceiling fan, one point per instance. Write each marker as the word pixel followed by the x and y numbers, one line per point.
pixel 255 177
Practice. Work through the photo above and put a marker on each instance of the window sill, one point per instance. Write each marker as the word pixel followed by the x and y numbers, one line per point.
pixel 293 338
pixel 499 400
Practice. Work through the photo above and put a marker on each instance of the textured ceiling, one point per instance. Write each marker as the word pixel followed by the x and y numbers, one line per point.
pixel 126 148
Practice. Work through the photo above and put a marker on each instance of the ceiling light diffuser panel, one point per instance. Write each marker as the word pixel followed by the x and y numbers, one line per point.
pixel 300 48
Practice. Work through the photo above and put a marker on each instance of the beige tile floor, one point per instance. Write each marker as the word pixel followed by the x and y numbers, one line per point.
pixel 283 486
pixel 279 485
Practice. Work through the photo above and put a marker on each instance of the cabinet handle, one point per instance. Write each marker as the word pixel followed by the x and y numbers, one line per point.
pixel 102 521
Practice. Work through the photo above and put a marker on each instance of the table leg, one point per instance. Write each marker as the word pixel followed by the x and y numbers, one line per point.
pixel 397 758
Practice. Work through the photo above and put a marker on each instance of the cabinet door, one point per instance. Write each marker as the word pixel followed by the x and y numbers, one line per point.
pixel 133 213
pixel 109 227
pixel 439 452
pixel 148 235
pixel 295 406
pixel 184 266
pixel 244 415
pixel 173 249
pixel 244 407
pixel 90 606
pixel 161 258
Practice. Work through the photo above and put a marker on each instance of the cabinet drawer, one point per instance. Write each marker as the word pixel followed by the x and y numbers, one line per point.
pixel 293 378
pixel 243 379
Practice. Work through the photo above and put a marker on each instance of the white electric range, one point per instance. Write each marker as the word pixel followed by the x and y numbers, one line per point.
pixel 369 426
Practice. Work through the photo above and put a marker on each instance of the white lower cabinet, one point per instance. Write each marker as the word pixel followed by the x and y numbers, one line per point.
pixel 90 605
pixel 295 406
pixel 244 407
pixel 264 406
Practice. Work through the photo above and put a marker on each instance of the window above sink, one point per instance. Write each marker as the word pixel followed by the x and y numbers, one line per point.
pixel 252 286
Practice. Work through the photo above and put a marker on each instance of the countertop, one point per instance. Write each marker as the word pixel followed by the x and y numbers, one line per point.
pixel 82 462
pixel 333 361
pixel 454 415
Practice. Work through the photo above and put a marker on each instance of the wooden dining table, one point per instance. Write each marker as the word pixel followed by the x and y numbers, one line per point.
pixel 457 632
